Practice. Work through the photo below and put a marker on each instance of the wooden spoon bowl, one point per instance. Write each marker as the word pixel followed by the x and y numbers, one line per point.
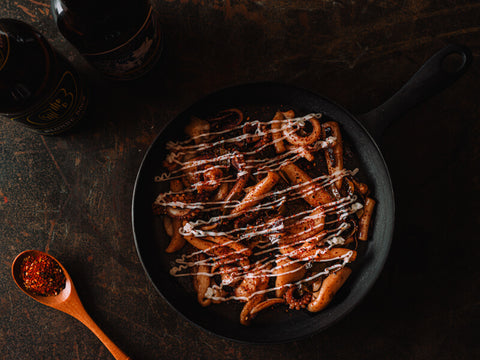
pixel 67 301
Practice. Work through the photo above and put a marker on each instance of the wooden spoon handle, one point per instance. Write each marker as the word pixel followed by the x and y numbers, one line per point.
pixel 114 349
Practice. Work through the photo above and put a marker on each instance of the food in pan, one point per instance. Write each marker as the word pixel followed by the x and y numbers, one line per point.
pixel 261 209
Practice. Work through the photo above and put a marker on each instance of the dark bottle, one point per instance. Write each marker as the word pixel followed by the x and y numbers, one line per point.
pixel 39 88
pixel 120 38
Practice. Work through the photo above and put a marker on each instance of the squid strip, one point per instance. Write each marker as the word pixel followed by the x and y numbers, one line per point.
pixel 324 254
pixel 246 314
pixel 225 241
pixel 276 134
pixel 314 194
pixel 264 305
pixel 167 224
pixel 177 240
pixel 199 243
pixel 201 282
pixel 197 128
pixel 329 288
pixel 287 272
pixel 254 196
pixel 366 218
pixel 334 156
pixel 242 178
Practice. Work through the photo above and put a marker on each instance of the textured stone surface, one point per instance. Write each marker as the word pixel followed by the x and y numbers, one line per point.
pixel 71 195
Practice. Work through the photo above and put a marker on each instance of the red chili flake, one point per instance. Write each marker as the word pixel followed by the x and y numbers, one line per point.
pixel 42 275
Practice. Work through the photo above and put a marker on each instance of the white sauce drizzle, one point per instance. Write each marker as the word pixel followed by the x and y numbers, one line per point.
pixel 184 154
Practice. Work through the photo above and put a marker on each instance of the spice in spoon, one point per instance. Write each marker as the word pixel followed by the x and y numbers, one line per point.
pixel 41 275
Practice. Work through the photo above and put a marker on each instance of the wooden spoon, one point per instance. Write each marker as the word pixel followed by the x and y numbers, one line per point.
pixel 67 301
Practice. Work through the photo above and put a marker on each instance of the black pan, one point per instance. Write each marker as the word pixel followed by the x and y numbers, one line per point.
pixel 278 325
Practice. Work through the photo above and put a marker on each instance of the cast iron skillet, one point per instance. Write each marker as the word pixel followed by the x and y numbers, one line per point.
pixel 278 325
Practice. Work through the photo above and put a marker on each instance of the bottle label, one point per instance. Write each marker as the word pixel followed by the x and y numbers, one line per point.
pixel 134 58
pixel 4 48
pixel 60 111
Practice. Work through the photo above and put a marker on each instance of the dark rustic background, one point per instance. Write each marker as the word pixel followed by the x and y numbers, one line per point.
pixel 71 195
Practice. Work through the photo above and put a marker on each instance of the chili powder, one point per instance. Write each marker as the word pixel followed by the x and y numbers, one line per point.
pixel 41 275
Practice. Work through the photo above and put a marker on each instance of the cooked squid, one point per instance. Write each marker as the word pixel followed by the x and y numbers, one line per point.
pixel 269 213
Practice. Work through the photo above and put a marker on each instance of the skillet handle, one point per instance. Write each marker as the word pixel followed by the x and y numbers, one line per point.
pixel 439 72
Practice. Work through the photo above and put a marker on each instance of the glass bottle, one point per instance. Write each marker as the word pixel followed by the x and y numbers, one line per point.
pixel 39 88
pixel 120 38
